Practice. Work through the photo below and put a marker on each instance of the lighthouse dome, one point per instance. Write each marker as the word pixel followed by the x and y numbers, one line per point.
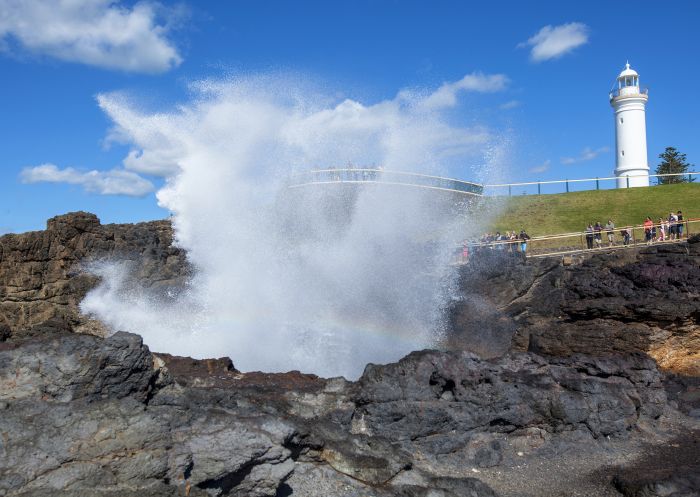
pixel 627 72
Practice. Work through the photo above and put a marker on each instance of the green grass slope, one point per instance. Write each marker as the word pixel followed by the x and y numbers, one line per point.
pixel 569 212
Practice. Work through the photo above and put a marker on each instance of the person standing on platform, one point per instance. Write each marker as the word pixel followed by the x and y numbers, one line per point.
pixel 589 236
pixel 679 226
pixel 625 237
pixel 648 225
pixel 524 237
pixel 598 234
pixel 663 229
pixel 610 230
pixel 673 226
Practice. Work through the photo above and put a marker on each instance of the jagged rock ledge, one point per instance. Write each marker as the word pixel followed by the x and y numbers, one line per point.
pixel 83 415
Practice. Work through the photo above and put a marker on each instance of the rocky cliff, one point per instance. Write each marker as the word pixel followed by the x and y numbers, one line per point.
pixel 645 300
pixel 44 274
pixel 549 385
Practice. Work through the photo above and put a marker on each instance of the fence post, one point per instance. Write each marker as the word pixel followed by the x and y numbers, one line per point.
pixel 539 190
pixel 628 181
pixel 567 186
pixel 597 184
pixel 509 191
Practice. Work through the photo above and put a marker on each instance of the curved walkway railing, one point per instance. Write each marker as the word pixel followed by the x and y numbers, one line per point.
pixel 578 242
pixel 383 177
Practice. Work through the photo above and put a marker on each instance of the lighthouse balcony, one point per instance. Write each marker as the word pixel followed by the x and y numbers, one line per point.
pixel 628 91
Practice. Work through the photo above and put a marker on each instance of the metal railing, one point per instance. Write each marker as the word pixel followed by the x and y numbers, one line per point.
pixel 382 176
pixel 616 92
pixel 570 185
pixel 390 177
pixel 625 237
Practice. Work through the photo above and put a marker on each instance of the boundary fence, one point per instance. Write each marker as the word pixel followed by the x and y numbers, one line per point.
pixel 569 185
pixel 577 242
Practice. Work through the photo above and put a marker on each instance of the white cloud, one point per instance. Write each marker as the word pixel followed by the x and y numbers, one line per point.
pixel 157 142
pixel 101 33
pixel 552 42
pixel 401 132
pixel 541 168
pixel 511 104
pixel 586 154
pixel 114 182
pixel 446 95
pixel 225 112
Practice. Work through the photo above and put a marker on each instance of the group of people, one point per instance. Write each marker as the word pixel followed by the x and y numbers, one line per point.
pixel 670 228
pixel 594 234
pixel 509 241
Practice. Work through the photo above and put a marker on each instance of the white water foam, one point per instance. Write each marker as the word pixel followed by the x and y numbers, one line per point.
pixel 323 280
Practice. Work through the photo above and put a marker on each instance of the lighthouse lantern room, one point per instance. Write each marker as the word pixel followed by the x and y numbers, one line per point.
pixel 629 104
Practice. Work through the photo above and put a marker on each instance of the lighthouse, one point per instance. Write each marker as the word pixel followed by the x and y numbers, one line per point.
pixel 629 101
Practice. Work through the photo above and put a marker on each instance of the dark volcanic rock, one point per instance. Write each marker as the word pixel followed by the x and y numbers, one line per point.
pixel 644 300
pixel 67 367
pixel 85 415
pixel 562 398
pixel 43 274
pixel 430 393
pixel 5 332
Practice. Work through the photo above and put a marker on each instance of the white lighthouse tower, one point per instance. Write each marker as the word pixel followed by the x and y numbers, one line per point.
pixel 629 102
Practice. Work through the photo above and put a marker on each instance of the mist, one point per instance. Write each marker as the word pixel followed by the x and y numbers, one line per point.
pixel 322 278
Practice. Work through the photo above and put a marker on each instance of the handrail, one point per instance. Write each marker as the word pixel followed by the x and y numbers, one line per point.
pixel 379 170
pixel 383 176
pixel 549 182
pixel 616 92
pixel 371 174
pixel 632 242
pixel 358 182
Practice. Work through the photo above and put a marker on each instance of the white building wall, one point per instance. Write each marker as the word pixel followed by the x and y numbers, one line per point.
pixel 631 141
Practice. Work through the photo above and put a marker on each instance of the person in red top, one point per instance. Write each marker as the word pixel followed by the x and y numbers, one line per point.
pixel 648 225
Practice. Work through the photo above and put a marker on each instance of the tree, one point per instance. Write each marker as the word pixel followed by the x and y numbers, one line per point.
pixel 673 162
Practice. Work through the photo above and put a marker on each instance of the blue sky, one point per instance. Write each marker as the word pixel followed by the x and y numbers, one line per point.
pixel 558 61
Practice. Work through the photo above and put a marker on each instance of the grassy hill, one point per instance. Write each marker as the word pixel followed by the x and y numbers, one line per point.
pixel 569 212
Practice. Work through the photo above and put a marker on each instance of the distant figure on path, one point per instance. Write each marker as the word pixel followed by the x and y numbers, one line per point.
pixel 524 237
pixel 663 229
pixel 598 234
pixel 673 225
pixel 610 229
pixel 513 241
pixel 679 226
pixel 625 237
pixel 648 225
pixel 589 236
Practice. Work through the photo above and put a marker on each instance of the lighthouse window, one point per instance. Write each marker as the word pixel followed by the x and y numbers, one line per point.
pixel 622 120
pixel 623 152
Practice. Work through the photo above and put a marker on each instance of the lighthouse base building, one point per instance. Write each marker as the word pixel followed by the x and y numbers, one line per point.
pixel 628 101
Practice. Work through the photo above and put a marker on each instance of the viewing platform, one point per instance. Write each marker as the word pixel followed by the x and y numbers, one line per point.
pixel 383 177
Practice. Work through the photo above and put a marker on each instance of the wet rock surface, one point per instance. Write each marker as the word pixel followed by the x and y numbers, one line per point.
pixel 560 380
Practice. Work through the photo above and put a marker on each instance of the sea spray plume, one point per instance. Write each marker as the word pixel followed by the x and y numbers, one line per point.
pixel 318 279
